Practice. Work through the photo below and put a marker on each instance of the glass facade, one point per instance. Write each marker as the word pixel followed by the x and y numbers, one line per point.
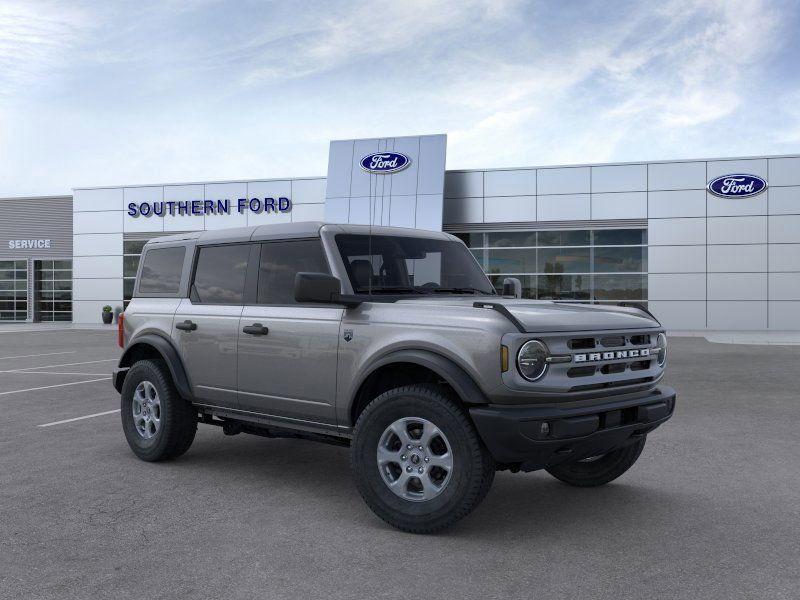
pixel 53 285
pixel 585 265
pixel 13 290
pixel 132 253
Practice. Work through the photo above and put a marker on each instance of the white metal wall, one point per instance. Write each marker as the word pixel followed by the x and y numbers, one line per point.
pixel 99 222
pixel 409 198
pixel 714 263
pixel 721 264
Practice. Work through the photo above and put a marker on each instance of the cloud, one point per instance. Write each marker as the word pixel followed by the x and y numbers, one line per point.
pixel 98 93
pixel 355 32
pixel 35 38
pixel 659 68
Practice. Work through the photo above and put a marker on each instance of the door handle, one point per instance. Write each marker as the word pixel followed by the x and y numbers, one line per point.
pixel 255 329
pixel 187 325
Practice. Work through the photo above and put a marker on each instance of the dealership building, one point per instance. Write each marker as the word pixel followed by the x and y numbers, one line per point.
pixel 708 244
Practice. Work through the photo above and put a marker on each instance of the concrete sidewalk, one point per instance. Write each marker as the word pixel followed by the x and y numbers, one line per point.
pixel 28 327
pixel 761 338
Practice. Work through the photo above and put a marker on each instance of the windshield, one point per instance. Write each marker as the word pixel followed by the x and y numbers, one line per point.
pixel 381 264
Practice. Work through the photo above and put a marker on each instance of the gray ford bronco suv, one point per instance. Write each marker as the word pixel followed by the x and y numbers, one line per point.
pixel 392 342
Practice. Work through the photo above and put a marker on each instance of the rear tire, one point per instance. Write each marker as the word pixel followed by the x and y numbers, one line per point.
pixel 592 472
pixel 158 423
pixel 419 491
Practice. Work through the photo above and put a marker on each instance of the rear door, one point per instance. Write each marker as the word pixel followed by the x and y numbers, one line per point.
pixel 288 351
pixel 206 325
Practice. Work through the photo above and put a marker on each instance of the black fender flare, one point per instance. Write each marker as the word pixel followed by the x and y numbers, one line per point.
pixel 168 353
pixel 462 383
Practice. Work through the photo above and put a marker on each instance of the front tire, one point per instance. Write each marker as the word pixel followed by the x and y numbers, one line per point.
pixel 599 470
pixel 418 461
pixel 158 423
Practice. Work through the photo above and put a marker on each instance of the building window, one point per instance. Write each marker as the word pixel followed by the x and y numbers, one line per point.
pixel 601 265
pixel 53 284
pixel 132 253
pixel 13 290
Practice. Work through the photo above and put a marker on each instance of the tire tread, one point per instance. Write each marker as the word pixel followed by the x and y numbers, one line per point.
pixel 479 486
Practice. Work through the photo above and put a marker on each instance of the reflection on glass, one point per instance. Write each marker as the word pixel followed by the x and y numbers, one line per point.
pixel 472 240
pixel 564 287
pixel 127 288
pixel 563 260
pixel 161 272
pixel 620 287
pixel 219 277
pixel 130 264
pixel 581 237
pixel 512 261
pixel 620 260
pixel 129 247
pixel 512 238
pixel 620 237
pixel 563 264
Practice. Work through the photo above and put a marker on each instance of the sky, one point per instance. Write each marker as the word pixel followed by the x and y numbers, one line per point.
pixel 110 93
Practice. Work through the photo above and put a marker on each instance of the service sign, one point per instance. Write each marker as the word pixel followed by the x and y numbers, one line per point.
pixel 28 244
pixel 385 163
pixel 737 186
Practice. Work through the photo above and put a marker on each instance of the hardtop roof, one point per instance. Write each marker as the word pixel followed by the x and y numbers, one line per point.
pixel 302 229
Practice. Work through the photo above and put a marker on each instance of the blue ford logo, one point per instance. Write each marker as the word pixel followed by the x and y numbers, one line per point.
pixel 737 186
pixel 384 163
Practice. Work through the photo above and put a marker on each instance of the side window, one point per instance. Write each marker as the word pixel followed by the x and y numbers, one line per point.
pixel 161 271
pixel 280 262
pixel 220 273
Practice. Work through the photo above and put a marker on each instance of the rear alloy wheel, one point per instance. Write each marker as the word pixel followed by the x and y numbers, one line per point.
pixel 600 469
pixel 146 409
pixel 418 461
pixel 158 423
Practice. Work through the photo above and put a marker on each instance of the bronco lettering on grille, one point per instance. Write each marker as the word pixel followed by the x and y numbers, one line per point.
pixel 600 356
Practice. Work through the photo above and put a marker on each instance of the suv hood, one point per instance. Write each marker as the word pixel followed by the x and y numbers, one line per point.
pixel 543 315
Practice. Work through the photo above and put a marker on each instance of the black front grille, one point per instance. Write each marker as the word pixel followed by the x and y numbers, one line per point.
pixel 613 342
pixel 587 371
pixel 581 344
pixel 611 384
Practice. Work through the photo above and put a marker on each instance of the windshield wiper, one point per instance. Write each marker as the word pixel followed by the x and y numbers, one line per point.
pixel 458 290
pixel 390 289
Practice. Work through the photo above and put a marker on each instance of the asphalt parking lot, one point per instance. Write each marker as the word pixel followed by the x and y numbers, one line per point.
pixel 710 510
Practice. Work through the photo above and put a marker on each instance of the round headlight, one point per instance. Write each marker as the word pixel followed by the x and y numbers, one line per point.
pixel 661 349
pixel 531 360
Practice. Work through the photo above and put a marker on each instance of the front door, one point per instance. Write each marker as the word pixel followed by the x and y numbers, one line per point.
pixel 288 351
pixel 206 325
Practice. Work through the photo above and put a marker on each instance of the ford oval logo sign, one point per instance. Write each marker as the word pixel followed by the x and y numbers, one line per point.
pixel 737 186
pixel 385 163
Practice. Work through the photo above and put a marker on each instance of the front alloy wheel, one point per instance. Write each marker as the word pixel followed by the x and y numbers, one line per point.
pixel 415 459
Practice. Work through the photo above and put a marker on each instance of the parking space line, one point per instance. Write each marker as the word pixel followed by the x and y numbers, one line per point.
pixel 108 412
pixel 61 373
pixel 35 355
pixel 47 387
pixel 87 362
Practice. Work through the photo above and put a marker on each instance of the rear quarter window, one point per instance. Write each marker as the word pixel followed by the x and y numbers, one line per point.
pixel 161 271
pixel 219 276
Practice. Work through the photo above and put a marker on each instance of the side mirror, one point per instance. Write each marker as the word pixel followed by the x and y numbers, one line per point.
pixel 512 287
pixel 317 287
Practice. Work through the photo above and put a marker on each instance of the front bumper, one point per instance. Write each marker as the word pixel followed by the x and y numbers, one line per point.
pixel 535 437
